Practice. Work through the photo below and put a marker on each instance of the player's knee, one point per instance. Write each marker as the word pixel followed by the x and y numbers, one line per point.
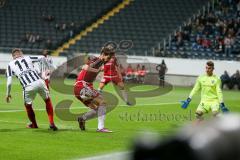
pixel 199 114
pixel 99 101
pixel 121 87
pixel 215 113
pixel 102 103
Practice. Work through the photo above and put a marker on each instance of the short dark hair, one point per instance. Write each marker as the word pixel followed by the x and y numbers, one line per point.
pixel 108 50
pixel 16 50
pixel 210 63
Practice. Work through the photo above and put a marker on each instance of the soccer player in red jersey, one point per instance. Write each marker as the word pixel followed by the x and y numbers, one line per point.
pixel 85 92
pixel 113 74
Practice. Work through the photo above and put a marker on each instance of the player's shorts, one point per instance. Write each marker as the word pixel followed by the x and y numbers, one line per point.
pixel 30 91
pixel 85 92
pixel 114 79
pixel 207 106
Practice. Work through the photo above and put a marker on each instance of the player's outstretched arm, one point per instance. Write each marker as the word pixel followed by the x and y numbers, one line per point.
pixel 88 68
pixel 196 88
pixel 9 84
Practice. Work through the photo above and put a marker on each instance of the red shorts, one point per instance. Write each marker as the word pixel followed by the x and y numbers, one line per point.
pixel 114 79
pixel 85 92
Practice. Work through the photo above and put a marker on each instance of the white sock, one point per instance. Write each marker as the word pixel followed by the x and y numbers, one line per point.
pixel 124 95
pixel 101 116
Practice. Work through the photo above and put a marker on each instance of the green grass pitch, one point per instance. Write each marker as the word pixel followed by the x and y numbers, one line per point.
pixel 18 142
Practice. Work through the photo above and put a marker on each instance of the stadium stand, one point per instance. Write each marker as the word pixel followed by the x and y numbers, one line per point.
pixel 213 34
pixel 37 24
pixel 144 23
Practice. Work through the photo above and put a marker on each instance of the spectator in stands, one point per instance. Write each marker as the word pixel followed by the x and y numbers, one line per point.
pixel 162 70
pixel 72 29
pixel 179 39
pixel 185 36
pixel 188 28
pixel 57 26
pixel 26 38
pixel 218 44
pixel 211 18
pixel 225 78
pixel 39 39
pixel 32 38
pixel 228 44
pixel 197 44
pixel 235 79
pixel 206 43
pixel 63 27
pixel 208 29
pixel 200 29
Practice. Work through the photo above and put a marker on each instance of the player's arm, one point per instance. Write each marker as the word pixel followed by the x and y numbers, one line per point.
pixel 90 69
pixel 220 96
pixel 195 89
pixel 51 65
pixel 9 83
pixel 219 91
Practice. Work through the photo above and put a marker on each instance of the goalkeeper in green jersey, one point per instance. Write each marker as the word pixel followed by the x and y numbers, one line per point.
pixel 211 94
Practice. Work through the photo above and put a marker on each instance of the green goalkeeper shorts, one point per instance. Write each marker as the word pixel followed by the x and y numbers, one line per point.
pixel 207 106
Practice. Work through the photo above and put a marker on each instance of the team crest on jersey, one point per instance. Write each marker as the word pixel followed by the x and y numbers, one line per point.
pixel 213 81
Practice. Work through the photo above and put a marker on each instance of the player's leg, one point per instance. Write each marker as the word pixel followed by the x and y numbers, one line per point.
pixel 29 94
pixel 86 116
pixel 85 94
pixel 200 112
pixel 101 86
pixel 104 81
pixel 199 117
pixel 46 77
pixel 215 109
pixel 101 112
pixel 120 84
pixel 47 83
pixel 44 93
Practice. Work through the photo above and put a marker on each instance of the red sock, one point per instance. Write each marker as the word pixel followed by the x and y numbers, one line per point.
pixel 31 114
pixel 49 109
pixel 47 83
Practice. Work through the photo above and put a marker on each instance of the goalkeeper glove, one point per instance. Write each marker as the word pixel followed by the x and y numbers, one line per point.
pixel 184 104
pixel 223 108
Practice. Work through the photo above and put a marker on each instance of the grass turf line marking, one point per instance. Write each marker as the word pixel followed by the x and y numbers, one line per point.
pixel 75 108
pixel 115 156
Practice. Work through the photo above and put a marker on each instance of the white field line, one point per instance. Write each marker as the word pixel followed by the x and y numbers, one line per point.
pixel 75 108
pixel 111 156
pixel 60 126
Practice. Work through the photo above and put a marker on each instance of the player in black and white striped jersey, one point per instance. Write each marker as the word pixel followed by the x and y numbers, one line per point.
pixel 45 67
pixel 22 67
